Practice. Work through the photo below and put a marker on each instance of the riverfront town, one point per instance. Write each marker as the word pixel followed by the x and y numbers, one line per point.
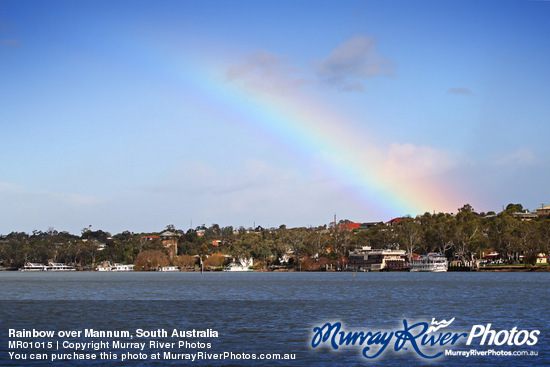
pixel 515 239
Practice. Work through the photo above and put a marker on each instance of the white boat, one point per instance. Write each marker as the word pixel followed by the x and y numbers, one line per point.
pixel 236 267
pixel 169 268
pixel 123 267
pixel 435 263
pixel 33 267
pixel 105 266
pixel 59 267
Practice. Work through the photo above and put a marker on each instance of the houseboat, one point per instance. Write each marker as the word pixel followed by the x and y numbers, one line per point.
pixel 122 267
pixel 169 268
pixel 59 267
pixel 432 262
pixel 242 265
pixel 33 267
pixel 104 266
pixel 236 267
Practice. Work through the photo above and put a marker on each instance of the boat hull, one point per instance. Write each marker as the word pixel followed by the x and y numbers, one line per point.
pixel 429 270
pixel 241 270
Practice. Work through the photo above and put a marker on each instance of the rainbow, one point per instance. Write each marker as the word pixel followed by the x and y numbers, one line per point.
pixel 313 129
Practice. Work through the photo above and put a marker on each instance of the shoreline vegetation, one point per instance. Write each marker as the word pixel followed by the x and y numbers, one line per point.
pixel 512 240
pixel 512 268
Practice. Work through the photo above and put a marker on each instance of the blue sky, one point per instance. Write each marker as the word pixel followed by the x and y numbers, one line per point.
pixel 132 115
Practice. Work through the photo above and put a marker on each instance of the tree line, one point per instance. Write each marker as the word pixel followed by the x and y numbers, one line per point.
pixel 466 236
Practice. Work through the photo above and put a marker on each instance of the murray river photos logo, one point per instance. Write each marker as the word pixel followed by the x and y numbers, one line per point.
pixel 426 340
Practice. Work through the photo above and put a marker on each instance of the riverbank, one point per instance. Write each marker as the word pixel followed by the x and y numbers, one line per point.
pixel 514 268
pixel 500 268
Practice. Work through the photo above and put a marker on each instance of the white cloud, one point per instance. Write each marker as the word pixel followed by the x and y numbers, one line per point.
pixel 409 161
pixel 346 68
pixel 264 70
pixel 201 180
pixel 71 199
pixel 25 209
pixel 67 198
pixel 520 157
pixel 353 61
pixel 7 189
pixel 255 190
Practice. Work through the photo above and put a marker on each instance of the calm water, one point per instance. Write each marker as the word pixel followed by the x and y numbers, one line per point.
pixel 276 312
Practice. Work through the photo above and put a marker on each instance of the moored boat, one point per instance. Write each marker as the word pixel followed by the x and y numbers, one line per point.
pixel 434 263
pixel 105 266
pixel 59 267
pixel 123 267
pixel 33 267
pixel 236 267
pixel 169 268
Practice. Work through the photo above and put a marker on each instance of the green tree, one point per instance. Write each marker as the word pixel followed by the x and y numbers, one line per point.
pixel 543 228
pixel 438 234
pixel 514 208
pixel 214 260
pixel 151 260
pixel 381 236
pixel 410 235
pixel 292 241
pixel 185 261
pixel 528 241
pixel 499 231
pixel 468 234
pixel 341 236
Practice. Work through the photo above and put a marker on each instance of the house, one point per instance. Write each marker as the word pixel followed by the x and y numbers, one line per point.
pixel 526 215
pixel 367 225
pixel 359 226
pixel 350 225
pixel 150 238
pixel 394 221
pixel 543 210
pixel 170 241
pixel 542 259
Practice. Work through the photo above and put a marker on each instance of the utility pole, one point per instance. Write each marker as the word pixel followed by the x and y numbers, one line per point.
pixel 335 237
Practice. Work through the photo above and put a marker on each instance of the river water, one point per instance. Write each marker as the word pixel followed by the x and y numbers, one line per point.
pixel 259 315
